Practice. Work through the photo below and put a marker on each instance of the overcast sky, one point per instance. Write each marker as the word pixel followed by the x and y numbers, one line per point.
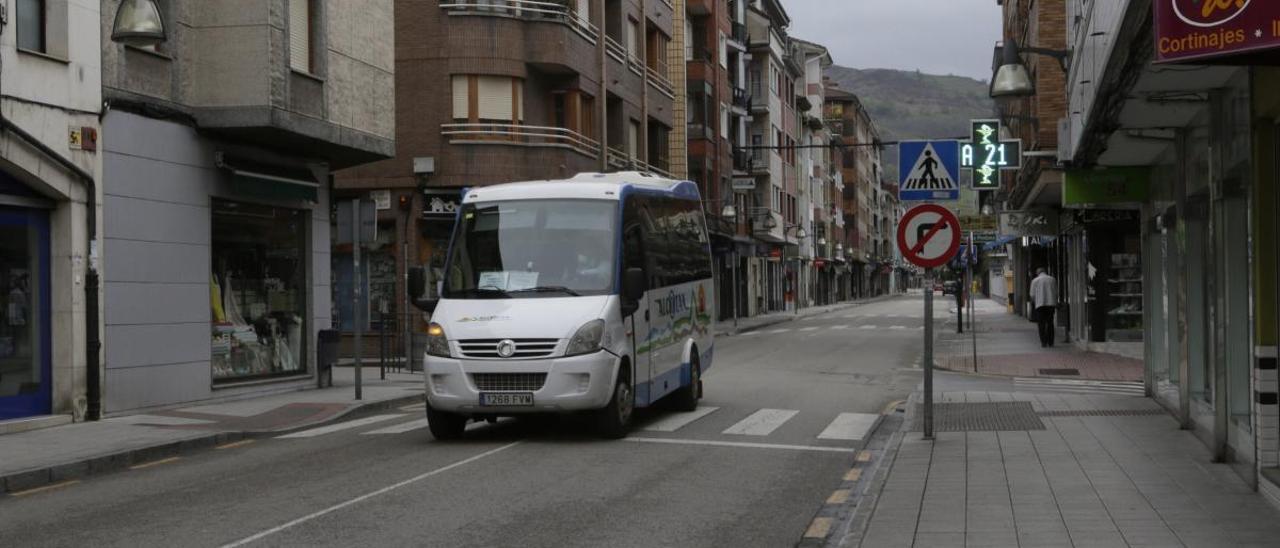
pixel 932 36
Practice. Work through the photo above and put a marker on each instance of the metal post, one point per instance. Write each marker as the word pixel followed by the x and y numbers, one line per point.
pixel 928 354
pixel 356 299
pixel 383 345
pixel 968 285
pixel 734 268
pixel 407 328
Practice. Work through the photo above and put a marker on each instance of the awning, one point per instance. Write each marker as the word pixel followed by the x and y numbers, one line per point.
pixel 270 182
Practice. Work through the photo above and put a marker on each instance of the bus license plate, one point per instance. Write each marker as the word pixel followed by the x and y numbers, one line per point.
pixel 506 400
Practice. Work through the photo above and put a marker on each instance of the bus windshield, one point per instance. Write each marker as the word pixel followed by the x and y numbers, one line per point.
pixel 533 248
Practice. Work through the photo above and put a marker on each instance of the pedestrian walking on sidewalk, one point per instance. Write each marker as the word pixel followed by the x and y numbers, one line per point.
pixel 1044 300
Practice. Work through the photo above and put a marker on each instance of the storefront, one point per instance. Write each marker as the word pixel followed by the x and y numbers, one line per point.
pixel 25 350
pixel 217 266
pixel 258 288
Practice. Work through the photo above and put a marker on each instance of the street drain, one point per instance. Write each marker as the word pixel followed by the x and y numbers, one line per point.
pixel 980 417
pixel 1060 372
pixel 1105 413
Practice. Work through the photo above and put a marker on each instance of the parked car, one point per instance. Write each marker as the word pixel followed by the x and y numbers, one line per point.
pixel 950 287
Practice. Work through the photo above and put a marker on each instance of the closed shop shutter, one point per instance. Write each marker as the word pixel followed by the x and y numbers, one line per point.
pixel 300 35
pixel 495 98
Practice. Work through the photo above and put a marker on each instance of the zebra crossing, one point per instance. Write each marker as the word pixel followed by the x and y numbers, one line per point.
pixel 1122 388
pixel 758 424
pixel 812 329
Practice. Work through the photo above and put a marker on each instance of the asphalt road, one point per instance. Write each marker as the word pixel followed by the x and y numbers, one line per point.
pixel 785 408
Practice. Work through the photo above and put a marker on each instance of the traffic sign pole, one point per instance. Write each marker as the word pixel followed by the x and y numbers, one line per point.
pixel 928 354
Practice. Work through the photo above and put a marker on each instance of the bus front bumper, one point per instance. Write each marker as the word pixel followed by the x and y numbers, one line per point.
pixel 576 383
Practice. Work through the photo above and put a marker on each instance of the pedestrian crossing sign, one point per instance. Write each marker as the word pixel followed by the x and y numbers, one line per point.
pixel 928 171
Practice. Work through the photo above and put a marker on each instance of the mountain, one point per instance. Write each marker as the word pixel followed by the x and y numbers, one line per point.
pixel 913 105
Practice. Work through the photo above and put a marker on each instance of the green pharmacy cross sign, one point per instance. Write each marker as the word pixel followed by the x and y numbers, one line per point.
pixel 987 155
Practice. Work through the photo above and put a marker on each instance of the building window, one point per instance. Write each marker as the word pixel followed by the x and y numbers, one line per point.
pixel 633 38
pixel 258 290
pixel 32 17
pixel 724 121
pixel 487 98
pixel 633 140
pixel 724 51
pixel 301 36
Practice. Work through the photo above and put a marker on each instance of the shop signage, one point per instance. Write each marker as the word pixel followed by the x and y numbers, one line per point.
pixel 382 198
pixel 979 223
pixel 1090 216
pixel 744 183
pixel 1117 185
pixel 441 204
pixel 987 155
pixel 1204 29
pixel 1029 223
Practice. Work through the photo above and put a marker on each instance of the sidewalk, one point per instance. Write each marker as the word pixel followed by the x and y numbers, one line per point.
pixel 33 458
pixel 1009 345
pixel 1065 470
pixel 727 328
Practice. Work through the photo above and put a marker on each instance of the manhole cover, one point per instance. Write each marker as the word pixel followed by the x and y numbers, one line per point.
pixel 1105 413
pixel 980 417
pixel 1068 371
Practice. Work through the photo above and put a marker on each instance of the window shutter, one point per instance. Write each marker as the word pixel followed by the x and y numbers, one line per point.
pixel 495 98
pixel 584 11
pixel 300 35
pixel 460 92
pixel 634 140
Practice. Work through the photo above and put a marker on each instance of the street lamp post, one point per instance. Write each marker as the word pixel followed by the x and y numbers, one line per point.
pixel 801 234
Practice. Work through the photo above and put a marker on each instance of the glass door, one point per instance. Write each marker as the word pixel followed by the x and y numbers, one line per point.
pixel 25 387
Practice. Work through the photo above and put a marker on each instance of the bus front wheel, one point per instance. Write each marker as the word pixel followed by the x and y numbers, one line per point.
pixel 445 426
pixel 614 420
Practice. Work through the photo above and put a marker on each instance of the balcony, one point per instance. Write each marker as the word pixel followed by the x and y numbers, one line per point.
pixel 741 160
pixel 741 99
pixel 739 36
pixel 620 160
pixel 521 136
pixel 658 79
pixel 530 10
pixel 759 162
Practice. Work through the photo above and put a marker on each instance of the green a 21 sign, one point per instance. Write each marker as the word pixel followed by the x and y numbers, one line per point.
pixel 987 155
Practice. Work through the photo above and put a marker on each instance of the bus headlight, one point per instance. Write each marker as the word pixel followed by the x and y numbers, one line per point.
pixel 588 339
pixel 437 342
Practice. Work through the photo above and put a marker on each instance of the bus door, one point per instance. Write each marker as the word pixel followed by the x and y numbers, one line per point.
pixel 633 256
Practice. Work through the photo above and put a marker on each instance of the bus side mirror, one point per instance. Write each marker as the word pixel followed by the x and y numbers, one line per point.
pixel 634 284
pixel 419 277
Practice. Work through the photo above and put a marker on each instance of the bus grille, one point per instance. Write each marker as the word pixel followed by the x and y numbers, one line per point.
pixel 524 348
pixel 513 382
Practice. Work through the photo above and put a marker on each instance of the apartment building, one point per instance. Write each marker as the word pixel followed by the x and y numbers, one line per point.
pixel 219 145
pixel 494 91
pixel 774 213
pixel 859 166
pixel 816 183
pixel 50 196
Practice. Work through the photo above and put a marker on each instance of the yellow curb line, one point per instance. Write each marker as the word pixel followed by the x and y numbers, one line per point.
pixel 154 463
pixel 864 456
pixel 840 496
pixel 51 487
pixel 819 528
pixel 892 406
pixel 234 444
pixel 853 475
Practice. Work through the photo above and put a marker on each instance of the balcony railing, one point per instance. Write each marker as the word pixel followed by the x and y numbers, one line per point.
pixel 741 98
pixel 740 34
pixel 759 161
pixel 619 159
pixel 615 49
pixel 661 82
pixel 520 135
pixel 559 12
pixel 741 160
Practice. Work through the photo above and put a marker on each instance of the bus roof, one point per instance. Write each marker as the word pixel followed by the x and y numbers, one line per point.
pixel 596 186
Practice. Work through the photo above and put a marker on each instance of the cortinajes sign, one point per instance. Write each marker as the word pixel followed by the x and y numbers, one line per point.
pixel 1200 29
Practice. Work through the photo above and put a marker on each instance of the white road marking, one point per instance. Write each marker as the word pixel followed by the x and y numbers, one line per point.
pixel 400 428
pixel 762 422
pixel 340 426
pixel 367 496
pixel 743 445
pixel 897 327
pixel 777 331
pixel 813 328
pixel 849 426
pixel 676 421
pixel 839 327
pixel 867 327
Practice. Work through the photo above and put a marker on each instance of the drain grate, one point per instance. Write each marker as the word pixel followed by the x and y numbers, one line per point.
pixel 1060 372
pixel 980 417
pixel 1105 413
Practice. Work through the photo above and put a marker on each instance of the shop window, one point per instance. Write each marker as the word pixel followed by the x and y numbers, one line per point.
pixel 258 290
pixel 24 313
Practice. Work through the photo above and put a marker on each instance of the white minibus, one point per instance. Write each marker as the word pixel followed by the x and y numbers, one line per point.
pixel 591 294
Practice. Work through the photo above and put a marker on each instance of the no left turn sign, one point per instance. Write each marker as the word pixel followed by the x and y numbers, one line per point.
pixel 929 235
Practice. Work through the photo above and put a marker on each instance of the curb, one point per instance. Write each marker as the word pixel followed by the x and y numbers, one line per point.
pixel 859 513
pixel 122 460
pixel 832 521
